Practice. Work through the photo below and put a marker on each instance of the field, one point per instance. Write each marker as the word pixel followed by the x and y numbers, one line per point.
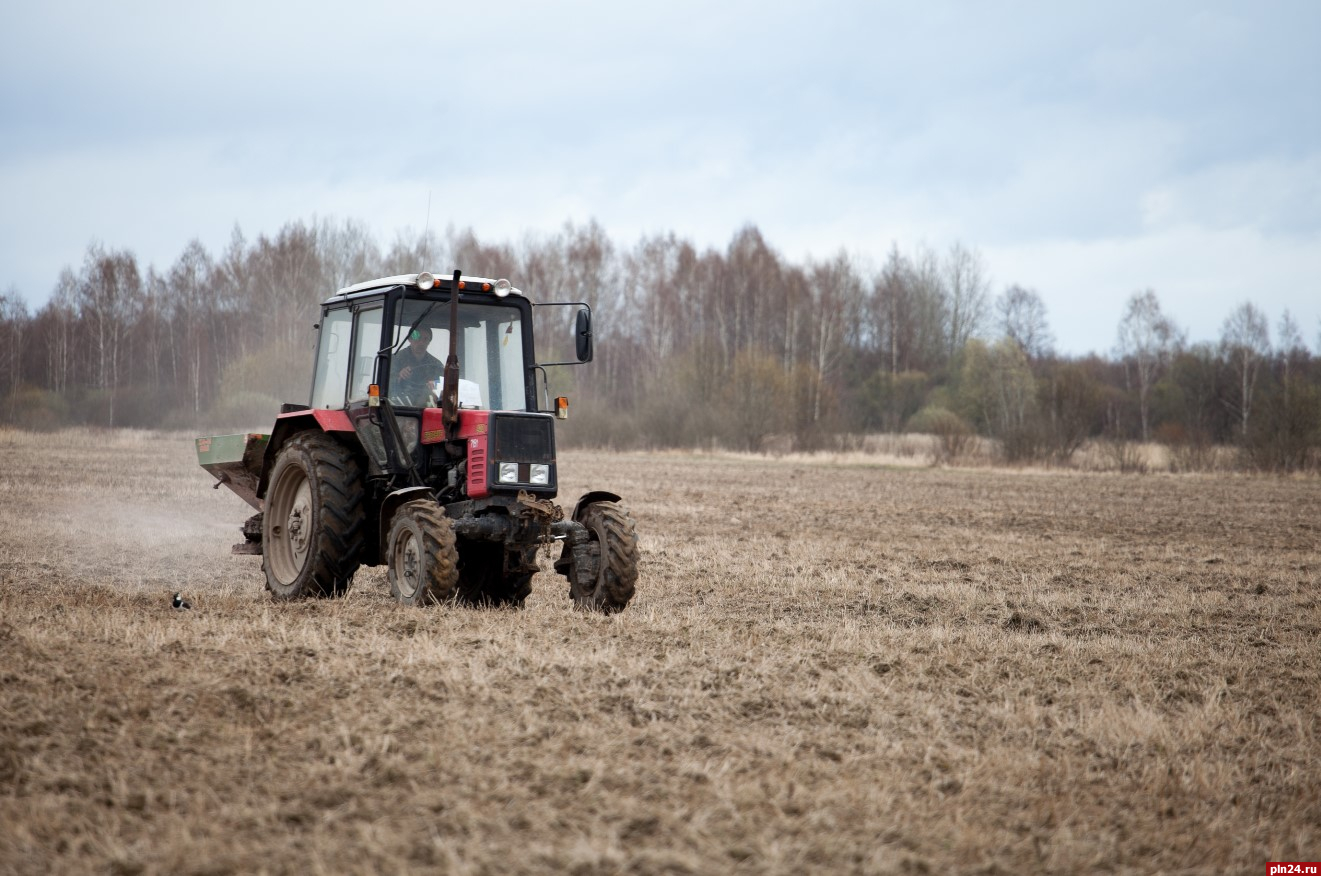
pixel 831 665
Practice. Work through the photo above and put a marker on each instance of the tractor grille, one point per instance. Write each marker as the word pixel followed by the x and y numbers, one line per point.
pixel 523 438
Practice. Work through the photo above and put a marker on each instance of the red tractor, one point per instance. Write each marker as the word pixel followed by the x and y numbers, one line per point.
pixel 445 472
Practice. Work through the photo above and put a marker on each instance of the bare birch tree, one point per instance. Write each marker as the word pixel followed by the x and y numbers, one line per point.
pixel 966 289
pixel 1147 339
pixel 1293 352
pixel 1020 315
pixel 109 293
pixel 59 323
pixel 836 295
pixel 1245 340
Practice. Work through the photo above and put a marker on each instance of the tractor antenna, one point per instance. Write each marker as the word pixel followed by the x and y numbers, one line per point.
pixel 449 403
pixel 426 237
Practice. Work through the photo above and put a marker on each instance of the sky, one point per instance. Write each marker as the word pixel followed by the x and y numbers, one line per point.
pixel 1087 150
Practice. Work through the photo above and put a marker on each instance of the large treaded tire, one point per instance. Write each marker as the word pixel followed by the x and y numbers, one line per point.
pixel 422 562
pixel 312 527
pixel 482 580
pixel 615 547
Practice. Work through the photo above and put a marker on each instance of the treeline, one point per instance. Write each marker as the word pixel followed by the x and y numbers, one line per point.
pixel 738 348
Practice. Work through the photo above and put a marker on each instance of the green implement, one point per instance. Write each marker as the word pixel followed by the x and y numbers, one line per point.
pixel 235 461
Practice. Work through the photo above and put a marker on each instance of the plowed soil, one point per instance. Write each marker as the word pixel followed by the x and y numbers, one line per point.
pixel 827 668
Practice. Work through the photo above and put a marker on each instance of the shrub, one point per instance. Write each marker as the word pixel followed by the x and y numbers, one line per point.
pixel 887 400
pixel 1073 409
pixel 1024 442
pixel 1123 455
pixel 1190 450
pixel 600 426
pixel 35 409
pixel 953 435
pixel 1286 431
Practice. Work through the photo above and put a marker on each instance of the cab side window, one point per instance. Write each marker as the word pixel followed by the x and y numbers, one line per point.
pixel 367 340
pixel 332 361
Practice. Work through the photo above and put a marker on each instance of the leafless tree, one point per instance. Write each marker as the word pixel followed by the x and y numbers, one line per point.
pixel 1293 354
pixel 290 274
pixel 755 388
pixel 58 320
pixel 349 253
pixel 751 277
pixel 412 252
pixel 13 330
pixel 1021 317
pixel 929 311
pixel 1245 340
pixel 966 290
pixel 590 273
pixel 192 315
pixel 836 297
pixel 235 293
pixel 999 386
pixel 154 326
pixel 908 312
pixel 1147 339
pixel 109 293
pixel 658 316
pixel 889 300
pixel 1290 336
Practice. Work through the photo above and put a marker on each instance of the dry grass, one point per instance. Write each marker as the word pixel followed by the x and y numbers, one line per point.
pixel 831 666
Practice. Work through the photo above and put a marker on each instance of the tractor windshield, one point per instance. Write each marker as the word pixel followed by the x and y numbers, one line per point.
pixel 491 369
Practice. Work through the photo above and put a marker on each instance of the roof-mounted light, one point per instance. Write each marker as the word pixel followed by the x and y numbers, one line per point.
pixel 425 281
pixel 503 288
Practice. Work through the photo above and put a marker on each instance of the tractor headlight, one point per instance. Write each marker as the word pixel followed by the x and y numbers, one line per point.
pixel 539 474
pixel 508 472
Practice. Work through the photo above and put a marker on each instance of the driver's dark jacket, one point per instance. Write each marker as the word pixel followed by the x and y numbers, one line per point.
pixel 414 389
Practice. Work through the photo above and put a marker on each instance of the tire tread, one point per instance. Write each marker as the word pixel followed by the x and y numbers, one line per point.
pixel 616 542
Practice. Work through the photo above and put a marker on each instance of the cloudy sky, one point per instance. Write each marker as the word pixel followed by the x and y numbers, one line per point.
pixel 1087 150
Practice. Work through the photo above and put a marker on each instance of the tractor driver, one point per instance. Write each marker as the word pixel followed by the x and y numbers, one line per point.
pixel 415 370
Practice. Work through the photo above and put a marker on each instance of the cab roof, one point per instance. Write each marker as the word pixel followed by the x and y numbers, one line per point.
pixel 441 282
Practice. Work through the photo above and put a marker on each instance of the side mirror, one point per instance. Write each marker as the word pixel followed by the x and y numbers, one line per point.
pixel 582 335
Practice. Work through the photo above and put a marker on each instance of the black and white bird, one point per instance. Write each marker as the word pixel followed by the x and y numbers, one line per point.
pixel 180 603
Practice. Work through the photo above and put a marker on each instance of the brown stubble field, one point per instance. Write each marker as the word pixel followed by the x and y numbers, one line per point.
pixel 829 667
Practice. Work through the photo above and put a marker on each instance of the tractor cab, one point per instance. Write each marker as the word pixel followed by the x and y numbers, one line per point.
pixel 393 335
pixel 381 357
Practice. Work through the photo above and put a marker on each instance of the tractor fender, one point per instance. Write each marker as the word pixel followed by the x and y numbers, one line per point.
pixel 290 424
pixel 592 498
pixel 391 503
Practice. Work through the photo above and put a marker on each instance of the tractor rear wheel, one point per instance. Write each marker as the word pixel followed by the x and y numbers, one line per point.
pixel 312 527
pixel 422 560
pixel 482 578
pixel 614 547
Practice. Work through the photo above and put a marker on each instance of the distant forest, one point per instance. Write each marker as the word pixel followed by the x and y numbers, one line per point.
pixel 740 348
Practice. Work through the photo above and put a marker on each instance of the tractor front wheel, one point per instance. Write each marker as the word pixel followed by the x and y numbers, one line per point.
pixel 312 527
pixel 423 560
pixel 605 583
